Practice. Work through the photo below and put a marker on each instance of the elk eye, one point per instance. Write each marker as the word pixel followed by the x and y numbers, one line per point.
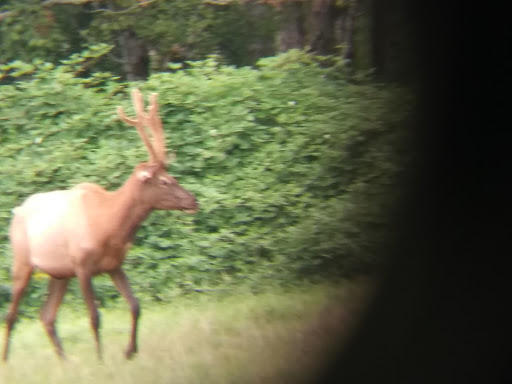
pixel 164 182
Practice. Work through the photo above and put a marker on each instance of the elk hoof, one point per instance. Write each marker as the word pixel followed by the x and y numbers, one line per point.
pixel 130 352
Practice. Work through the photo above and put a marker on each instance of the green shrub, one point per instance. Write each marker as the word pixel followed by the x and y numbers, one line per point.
pixel 295 169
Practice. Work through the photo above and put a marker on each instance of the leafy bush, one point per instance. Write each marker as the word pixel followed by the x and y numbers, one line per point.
pixel 295 168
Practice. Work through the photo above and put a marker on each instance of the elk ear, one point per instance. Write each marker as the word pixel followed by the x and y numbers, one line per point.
pixel 143 175
pixel 146 173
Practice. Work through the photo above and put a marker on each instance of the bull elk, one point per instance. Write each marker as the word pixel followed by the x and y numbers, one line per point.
pixel 86 230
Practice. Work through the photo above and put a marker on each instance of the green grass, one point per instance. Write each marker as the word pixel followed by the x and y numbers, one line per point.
pixel 275 337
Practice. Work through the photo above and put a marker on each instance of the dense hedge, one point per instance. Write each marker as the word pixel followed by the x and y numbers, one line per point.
pixel 294 167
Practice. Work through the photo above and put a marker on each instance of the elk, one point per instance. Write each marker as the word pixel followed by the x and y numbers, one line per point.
pixel 86 230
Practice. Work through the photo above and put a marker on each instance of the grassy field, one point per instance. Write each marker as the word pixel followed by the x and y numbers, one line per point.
pixel 280 336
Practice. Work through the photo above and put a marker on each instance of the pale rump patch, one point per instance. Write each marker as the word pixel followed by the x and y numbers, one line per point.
pixel 48 219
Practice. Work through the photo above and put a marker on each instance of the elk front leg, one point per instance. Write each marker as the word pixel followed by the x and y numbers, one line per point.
pixel 88 293
pixel 56 290
pixel 121 282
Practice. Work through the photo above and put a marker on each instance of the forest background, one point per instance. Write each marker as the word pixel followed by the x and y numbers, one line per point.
pixel 287 118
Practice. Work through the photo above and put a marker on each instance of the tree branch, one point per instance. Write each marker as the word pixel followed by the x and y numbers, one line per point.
pixel 85 65
pixel 49 3
pixel 126 10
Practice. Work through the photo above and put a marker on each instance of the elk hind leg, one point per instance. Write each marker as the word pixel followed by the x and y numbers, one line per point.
pixel 21 273
pixel 56 290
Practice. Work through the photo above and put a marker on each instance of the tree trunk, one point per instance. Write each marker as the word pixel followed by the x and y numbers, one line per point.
pixel 262 46
pixel 292 27
pixel 391 45
pixel 135 56
pixel 324 14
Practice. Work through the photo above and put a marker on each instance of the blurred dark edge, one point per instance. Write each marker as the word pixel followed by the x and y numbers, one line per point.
pixel 441 313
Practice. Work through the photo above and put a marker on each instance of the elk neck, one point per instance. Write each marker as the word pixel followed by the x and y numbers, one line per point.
pixel 128 210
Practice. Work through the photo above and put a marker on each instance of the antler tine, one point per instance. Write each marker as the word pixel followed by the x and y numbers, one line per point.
pixel 138 102
pixel 156 127
pixel 138 122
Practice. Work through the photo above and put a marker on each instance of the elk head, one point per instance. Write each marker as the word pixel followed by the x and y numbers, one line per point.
pixel 156 187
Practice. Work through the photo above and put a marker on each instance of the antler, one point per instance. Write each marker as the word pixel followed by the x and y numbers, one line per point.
pixel 155 123
pixel 156 150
